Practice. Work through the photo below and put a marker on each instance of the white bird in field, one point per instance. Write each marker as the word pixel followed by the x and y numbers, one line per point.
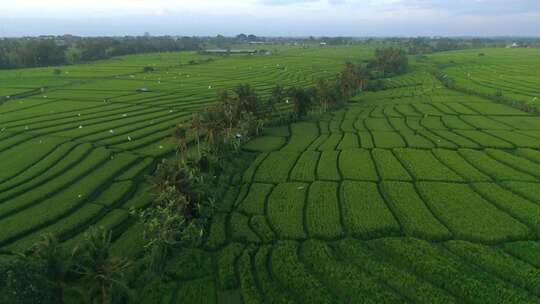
pixel 111 131
pixel 129 138
pixel 80 127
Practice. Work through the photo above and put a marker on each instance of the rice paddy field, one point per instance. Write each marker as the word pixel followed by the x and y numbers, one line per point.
pixel 413 194
pixel 512 73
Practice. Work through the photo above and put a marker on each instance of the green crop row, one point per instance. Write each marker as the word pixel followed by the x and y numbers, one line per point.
pixel 286 210
pixel 468 215
pixel 322 211
pixel 365 213
pixel 276 167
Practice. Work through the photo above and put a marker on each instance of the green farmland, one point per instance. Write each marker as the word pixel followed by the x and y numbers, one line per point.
pixel 413 194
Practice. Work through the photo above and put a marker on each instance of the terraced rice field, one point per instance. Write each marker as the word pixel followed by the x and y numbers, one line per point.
pixel 75 153
pixel 512 72
pixel 415 194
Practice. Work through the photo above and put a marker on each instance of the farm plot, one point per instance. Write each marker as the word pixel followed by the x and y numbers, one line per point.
pixel 413 194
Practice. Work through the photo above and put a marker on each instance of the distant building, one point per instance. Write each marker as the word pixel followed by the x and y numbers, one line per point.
pixel 323 44
pixel 513 45
pixel 224 51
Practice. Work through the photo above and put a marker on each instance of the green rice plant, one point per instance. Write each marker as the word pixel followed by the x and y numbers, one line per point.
pixel 530 191
pixel 54 208
pixel 349 141
pixel 21 157
pixel 530 154
pixel 276 167
pixel 56 183
pixel 317 142
pixel 388 140
pixel 364 211
pixel 515 138
pixel 427 109
pixel 217 232
pixel 484 123
pixel 347 126
pixel 433 123
pixel 39 168
pixel 458 140
pixel 416 140
pixel 227 203
pixel 72 223
pixel 399 124
pixel 331 142
pixel 409 285
pixel 350 283
pixel 274 293
pixel 521 209
pixel 485 140
pixel 199 291
pixel 143 166
pixel 248 286
pixel 250 172
pixel 260 226
pixel 389 166
pixel 454 161
pixel 254 201
pixel 519 122
pixel 327 168
pixel 240 229
pixel 494 109
pixel 435 265
pixel 305 168
pixel 468 216
pixel 461 109
pixel 497 262
pixel 114 194
pixel 111 221
pixel 520 163
pixel 357 165
pixel 439 141
pixel 322 211
pixel 454 122
pixel 286 210
pixel 378 124
pixel 189 264
pixel 265 144
pixel 287 268
pixel 302 135
pixel 141 198
pixel 129 244
pixel 423 165
pixel 366 141
pixel 524 250
pixel 412 213
pixel 495 169
pixel 407 110
pixel 226 264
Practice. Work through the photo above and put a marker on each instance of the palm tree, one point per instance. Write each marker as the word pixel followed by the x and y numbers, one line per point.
pixel 197 127
pixel 103 276
pixel 276 97
pixel 57 263
pixel 180 140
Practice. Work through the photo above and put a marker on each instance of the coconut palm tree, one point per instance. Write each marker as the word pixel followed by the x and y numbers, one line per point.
pixel 103 276
pixel 56 261
pixel 197 127
pixel 180 140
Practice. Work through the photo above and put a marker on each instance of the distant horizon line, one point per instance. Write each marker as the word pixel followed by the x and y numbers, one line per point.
pixel 279 36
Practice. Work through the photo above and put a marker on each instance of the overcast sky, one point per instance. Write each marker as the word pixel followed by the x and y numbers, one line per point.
pixel 271 17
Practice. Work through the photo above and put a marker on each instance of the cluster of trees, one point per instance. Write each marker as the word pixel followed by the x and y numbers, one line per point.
pixel 388 62
pixel 50 273
pixel 49 51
